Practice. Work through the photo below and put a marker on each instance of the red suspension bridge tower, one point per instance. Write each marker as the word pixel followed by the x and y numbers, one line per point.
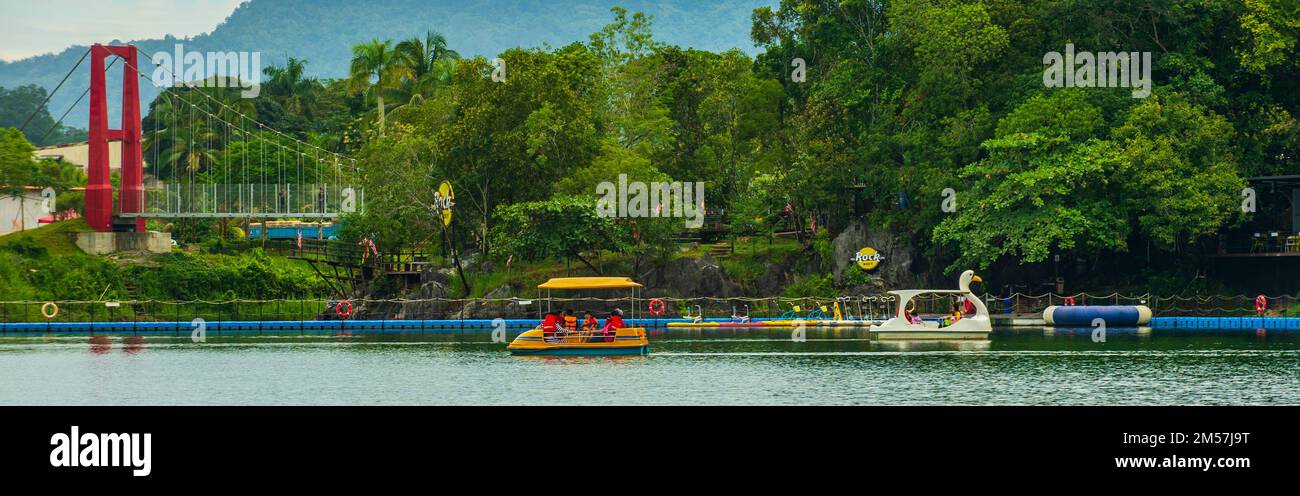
pixel 99 191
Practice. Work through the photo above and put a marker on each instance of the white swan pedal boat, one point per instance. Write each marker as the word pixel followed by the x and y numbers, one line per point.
pixel 976 326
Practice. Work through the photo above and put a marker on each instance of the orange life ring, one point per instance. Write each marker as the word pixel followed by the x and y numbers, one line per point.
pixel 1069 301
pixel 1261 303
pixel 657 306
pixel 341 311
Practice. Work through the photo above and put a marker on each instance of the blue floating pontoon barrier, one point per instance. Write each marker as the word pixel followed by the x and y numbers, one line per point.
pixel 301 326
pixel 1114 316
pixel 1227 323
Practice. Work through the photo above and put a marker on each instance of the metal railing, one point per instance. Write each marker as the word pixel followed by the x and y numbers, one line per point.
pixel 200 200
pixel 851 308
pixel 1161 306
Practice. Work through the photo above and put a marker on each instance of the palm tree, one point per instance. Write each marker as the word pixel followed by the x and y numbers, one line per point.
pixel 190 150
pixel 431 62
pixel 376 68
pixel 288 84
pixel 185 128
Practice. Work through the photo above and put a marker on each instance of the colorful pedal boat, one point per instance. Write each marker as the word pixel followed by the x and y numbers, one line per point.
pixel 626 341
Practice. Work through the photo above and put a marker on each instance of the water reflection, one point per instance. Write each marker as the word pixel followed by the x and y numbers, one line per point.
pixel 580 360
pixel 1141 332
pixel 100 345
pixel 133 344
pixel 843 366
pixel 934 345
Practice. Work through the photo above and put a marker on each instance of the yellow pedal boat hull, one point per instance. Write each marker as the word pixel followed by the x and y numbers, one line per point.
pixel 627 341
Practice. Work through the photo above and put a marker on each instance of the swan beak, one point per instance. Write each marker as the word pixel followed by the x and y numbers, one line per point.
pixel 976 279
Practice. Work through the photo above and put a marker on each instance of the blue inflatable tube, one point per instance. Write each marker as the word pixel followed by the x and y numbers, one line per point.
pixel 1115 316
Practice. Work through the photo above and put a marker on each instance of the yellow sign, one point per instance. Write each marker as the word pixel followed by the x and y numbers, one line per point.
pixel 868 258
pixel 444 200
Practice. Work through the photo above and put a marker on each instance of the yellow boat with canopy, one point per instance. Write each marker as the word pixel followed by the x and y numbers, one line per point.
pixel 568 342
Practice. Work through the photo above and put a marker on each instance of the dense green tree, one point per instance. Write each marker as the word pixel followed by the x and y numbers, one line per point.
pixel 559 228
pixel 17 167
pixel 292 89
pixel 1053 181
pixel 24 105
pixel 1272 28
pixel 1180 170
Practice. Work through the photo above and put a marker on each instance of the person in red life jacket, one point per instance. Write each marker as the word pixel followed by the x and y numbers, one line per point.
pixel 589 323
pixel 550 324
pixel 613 324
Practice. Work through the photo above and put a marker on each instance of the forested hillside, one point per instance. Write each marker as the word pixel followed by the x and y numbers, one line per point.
pixel 904 105
pixel 322 32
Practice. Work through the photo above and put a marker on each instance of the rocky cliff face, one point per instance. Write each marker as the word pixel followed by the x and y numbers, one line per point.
pixel 894 270
pixel 688 278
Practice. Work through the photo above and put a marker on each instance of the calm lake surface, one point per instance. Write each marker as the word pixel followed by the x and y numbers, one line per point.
pixel 745 367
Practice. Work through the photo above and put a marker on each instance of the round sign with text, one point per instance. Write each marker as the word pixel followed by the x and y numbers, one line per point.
pixel 867 258
pixel 445 199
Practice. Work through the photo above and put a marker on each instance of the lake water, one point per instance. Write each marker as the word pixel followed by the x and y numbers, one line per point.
pixel 744 367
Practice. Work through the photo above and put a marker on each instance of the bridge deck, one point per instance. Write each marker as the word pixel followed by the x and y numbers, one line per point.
pixel 228 215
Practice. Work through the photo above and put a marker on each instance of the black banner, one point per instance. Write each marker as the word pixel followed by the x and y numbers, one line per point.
pixel 319 446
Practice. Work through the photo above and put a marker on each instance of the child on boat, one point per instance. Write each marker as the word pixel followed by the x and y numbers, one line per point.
pixel 910 317
pixel 953 317
pixel 589 323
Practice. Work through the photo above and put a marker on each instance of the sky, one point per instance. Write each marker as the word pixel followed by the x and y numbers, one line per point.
pixel 57 24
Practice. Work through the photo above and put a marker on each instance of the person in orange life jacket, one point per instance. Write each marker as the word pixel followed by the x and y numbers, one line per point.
pixel 589 323
pixel 613 324
pixel 570 320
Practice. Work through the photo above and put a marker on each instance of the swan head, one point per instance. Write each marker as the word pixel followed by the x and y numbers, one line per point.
pixel 967 278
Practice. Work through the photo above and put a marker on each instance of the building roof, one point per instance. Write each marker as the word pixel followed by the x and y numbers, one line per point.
pixel 1289 180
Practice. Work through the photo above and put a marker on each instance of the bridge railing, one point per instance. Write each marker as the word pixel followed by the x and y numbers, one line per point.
pixel 1171 306
pixel 257 200
pixel 358 255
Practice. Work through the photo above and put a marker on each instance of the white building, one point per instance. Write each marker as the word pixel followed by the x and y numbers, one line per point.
pixel 79 154
pixel 17 214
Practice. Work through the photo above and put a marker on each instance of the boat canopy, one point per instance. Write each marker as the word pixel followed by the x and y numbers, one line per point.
pixel 590 283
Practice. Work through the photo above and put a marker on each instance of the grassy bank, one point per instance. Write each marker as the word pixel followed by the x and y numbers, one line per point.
pixel 44 264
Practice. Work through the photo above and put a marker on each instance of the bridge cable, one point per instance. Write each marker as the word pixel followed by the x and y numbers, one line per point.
pixel 262 137
pixel 241 114
pixel 74 105
pixel 38 108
